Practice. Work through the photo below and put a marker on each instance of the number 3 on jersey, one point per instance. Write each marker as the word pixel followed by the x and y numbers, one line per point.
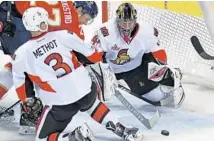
pixel 59 64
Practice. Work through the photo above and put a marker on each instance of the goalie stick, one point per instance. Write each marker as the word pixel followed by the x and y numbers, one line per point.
pixel 158 103
pixel 148 123
pixel 198 47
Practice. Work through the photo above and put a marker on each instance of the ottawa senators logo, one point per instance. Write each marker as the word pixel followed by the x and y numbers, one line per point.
pixel 122 57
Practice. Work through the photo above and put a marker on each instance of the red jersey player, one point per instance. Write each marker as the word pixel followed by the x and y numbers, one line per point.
pixel 62 14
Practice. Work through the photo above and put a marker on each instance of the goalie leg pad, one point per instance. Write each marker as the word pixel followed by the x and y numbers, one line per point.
pixel 155 95
pixel 178 97
pixel 170 84
pixel 104 76
pixel 176 90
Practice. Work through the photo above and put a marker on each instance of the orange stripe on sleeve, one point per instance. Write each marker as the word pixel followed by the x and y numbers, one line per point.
pixel 160 55
pixel 43 85
pixel 95 57
pixel 53 137
pixel 21 92
pixel 100 112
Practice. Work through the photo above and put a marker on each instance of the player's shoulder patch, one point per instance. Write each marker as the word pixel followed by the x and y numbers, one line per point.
pixel 95 40
pixel 104 31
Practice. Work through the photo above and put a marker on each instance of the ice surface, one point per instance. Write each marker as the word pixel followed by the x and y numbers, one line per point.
pixel 194 120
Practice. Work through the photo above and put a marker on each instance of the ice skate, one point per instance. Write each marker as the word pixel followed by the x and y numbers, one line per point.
pixel 82 133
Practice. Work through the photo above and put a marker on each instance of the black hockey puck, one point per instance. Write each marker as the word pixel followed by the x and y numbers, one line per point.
pixel 165 132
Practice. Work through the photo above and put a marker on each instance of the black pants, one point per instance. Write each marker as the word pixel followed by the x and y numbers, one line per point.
pixel 137 79
pixel 59 117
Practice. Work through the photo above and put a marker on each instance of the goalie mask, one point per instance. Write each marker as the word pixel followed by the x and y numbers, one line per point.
pixel 126 20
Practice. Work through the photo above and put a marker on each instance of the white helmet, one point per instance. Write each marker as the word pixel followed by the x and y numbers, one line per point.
pixel 33 18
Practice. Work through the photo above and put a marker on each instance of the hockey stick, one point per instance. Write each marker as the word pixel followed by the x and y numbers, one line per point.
pixel 9 11
pixel 158 103
pixel 149 123
pixel 11 107
pixel 198 47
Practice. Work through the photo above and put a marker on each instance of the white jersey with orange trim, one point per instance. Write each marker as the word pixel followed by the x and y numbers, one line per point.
pixel 49 62
pixel 123 56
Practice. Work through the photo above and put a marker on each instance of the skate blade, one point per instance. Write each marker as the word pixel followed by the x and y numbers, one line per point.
pixel 27 130
pixel 140 138
pixel 90 133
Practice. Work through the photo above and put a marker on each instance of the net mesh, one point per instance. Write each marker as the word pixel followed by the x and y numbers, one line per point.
pixel 175 31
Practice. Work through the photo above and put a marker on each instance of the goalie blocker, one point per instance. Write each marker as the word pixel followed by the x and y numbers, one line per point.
pixel 150 80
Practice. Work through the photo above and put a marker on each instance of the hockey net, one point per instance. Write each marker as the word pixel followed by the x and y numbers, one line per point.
pixel 175 31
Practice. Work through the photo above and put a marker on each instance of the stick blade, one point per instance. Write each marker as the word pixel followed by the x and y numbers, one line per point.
pixel 196 44
pixel 199 49
pixel 149 123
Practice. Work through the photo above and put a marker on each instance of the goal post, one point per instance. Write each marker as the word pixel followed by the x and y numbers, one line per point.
pixel 104 11
pixel 207 8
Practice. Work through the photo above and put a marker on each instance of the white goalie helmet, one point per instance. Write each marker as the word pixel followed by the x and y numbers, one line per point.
pixel 34 17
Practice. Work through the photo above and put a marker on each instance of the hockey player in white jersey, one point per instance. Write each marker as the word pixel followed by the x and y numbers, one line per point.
pixel 62 83
pixel 78 10
pixel 136 57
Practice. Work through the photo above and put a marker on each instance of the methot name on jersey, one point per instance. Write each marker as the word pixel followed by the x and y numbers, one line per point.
pixel 45 48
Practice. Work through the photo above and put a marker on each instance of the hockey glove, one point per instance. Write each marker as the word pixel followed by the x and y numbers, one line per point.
pixel 7 28
pixel 32 106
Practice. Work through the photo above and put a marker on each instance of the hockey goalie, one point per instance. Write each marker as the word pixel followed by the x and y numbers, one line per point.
pixel 140 64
